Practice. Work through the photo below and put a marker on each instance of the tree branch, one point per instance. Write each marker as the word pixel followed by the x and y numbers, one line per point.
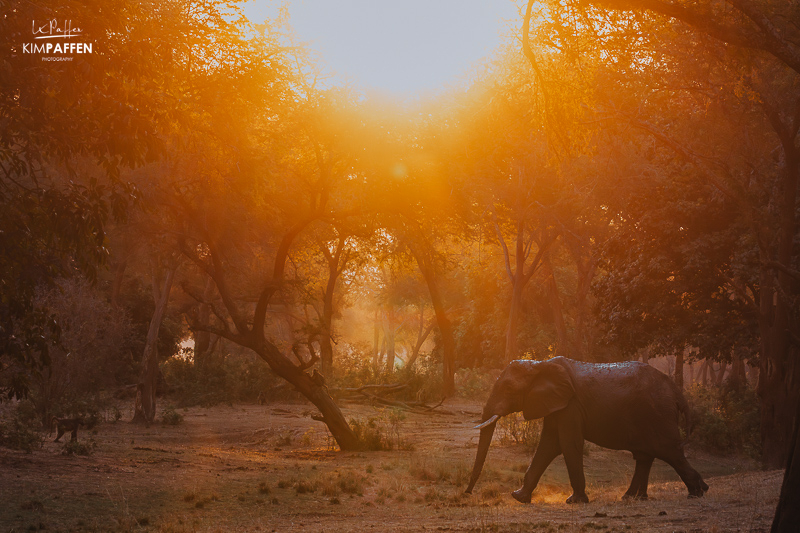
pixel 538 259
pixel 279 267
pixel 503 243
pixel 767 39
pixel 224 333
pixel 216 274
pixel 775 265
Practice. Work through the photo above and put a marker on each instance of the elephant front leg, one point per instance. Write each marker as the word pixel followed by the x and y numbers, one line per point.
pixel 570 436
pixel 548 449
pixel 641 476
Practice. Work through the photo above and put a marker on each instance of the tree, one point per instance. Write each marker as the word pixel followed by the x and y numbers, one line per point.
pixel 337 260
pixel 242 220
pixel 747 52
pixel 161 285
pixel 63 142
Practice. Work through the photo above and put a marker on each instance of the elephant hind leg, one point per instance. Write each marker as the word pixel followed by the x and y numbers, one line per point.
pixel 641 476
pixel 548 449
pixel 691 477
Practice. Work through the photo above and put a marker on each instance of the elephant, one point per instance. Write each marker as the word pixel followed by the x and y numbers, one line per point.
pixel 622 406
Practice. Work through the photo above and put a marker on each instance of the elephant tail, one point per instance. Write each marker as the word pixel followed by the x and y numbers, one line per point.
pixel 683 407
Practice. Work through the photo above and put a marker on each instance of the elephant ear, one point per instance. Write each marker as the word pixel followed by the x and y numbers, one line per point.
pixel 550 391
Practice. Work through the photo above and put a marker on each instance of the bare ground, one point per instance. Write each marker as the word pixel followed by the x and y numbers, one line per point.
pixel 272 468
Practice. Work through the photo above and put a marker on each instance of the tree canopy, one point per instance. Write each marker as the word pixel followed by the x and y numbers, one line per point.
pixel 619 179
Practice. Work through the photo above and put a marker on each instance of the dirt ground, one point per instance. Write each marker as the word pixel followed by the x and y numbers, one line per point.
pixel 273 468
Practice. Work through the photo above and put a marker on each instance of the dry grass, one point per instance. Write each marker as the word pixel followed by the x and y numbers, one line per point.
pixel 215 472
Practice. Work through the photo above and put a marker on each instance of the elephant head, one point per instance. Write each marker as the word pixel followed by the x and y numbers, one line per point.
pixel 535 388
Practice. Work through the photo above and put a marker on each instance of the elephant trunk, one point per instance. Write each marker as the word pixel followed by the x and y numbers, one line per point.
pixel 483 448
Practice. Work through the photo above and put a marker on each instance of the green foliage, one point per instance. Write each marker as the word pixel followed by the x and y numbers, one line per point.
pixel 725 419
pixel 423 380
pixel 85 353
pixel 171 417
pixel 473 383
pixel 136 296
pixel 234 378
pixel 21 432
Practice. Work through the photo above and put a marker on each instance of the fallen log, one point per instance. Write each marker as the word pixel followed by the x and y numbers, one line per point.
pixel 414 407
pixel 382 389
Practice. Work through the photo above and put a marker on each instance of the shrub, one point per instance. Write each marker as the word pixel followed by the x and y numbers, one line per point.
pixel 87 354
pixel 491 490
pixel 381 432
pixel 514 429
pixel 473 383
pixel 725 419
pixel 22 431
pixel 351 483
pixel 370 433
pixel 303 487
pixel 170 416
pixel 354 369
pixel 75 447
pixel 228 378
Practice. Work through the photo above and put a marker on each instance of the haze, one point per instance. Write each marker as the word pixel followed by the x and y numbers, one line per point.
pixel 401 48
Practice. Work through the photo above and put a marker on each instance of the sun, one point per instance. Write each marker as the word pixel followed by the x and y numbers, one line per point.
pixel 400 48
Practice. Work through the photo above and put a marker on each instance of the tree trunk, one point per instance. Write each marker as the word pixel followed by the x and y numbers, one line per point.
pixel 376 342
pixel 448 341
pixel 389 337
pixel 512 327
pixel 314 389
pixel 723 366
pixel 518 282
pixel 679 369
pixel 145 408
pixel 778 390
pixel 582 340
pixel 519 279
pixel 787 514
pixel 779 383
pixel 778 380
pixel 445 327
pixel 737 378
pixel 562 346
pixel 704 372
pixel 422 336
pixel 585 257
pixel 326 335
pixel 202 339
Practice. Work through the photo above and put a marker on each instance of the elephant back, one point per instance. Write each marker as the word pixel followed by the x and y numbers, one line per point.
pixel 628 405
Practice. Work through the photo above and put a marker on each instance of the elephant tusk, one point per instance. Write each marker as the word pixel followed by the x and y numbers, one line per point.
pixel 490 421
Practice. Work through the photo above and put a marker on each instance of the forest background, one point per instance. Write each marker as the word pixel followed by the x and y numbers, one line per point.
pixel 187 209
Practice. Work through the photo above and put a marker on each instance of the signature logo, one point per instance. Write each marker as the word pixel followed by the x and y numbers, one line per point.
pixel 53 29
